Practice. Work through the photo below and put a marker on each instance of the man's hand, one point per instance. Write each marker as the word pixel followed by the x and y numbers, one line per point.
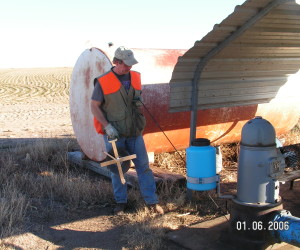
pixel 137 101
pixel 111 132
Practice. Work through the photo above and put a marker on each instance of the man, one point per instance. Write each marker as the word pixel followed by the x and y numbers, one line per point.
pixel 116 103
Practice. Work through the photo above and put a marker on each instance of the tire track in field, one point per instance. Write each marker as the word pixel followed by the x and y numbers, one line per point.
pixel 35 102
pixel 21 85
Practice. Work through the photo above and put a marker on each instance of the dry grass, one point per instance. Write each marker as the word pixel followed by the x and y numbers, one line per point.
pixel 38 178
pixel 173 161
pixel 292 137
pixel 13 206
pixel 145 230
pixel 13 203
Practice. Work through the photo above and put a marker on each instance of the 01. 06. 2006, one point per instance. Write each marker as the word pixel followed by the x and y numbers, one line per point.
pixel 260 226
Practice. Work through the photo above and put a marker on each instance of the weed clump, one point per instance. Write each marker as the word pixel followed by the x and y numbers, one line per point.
pixel 38 178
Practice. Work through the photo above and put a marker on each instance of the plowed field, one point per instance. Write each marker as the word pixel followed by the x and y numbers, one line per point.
pixel 34 103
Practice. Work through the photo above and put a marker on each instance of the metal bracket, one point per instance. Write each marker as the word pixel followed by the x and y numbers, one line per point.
pixel 204 180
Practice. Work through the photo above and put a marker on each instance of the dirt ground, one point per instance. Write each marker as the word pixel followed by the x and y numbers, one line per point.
pixel 34 104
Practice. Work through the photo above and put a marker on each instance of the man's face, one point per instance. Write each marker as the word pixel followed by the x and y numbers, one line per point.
pixel 123 68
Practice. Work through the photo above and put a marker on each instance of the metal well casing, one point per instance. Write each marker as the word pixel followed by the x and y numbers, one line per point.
pixel 260 164
pixel 257 170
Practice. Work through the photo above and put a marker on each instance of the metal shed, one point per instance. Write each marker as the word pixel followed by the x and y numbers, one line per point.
pixel 244 60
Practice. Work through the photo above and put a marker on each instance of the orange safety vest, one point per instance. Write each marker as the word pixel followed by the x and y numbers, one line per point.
pixel 117 105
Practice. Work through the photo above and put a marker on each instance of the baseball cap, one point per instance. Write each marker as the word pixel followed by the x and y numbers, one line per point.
pixel 126 55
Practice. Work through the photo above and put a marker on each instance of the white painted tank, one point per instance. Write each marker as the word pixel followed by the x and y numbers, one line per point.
pixel 221 125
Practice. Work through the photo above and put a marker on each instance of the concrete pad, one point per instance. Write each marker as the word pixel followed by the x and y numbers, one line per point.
pixel 207 235
pixel 204 235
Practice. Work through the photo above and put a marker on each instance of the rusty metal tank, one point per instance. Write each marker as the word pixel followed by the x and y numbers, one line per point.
pixel 220 125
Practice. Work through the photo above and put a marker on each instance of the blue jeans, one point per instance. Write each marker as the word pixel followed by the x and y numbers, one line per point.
pixel 134 145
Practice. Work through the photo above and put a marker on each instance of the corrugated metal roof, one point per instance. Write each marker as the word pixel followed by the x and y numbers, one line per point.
pixel 244 60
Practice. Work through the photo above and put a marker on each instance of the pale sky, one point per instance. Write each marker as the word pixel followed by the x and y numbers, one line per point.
pixel 53 33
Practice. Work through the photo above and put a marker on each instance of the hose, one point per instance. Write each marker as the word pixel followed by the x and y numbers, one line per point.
pixel 157 124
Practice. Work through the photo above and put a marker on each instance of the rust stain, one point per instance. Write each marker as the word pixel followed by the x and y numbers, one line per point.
pixel 222 125
pixel 87 79
pixel 169 58
pixel 100 66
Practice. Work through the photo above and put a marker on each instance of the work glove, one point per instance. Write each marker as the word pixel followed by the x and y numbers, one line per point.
pixel 111 132
pixel 137 101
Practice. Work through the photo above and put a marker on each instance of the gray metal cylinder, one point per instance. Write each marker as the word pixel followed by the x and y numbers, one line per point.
pixel 258 132
pixel 260 164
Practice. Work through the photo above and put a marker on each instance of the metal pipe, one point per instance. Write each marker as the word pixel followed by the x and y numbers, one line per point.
pixel 223 196
pixel 285 227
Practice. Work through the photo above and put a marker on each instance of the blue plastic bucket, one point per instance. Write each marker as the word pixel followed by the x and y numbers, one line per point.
pixel 201 165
